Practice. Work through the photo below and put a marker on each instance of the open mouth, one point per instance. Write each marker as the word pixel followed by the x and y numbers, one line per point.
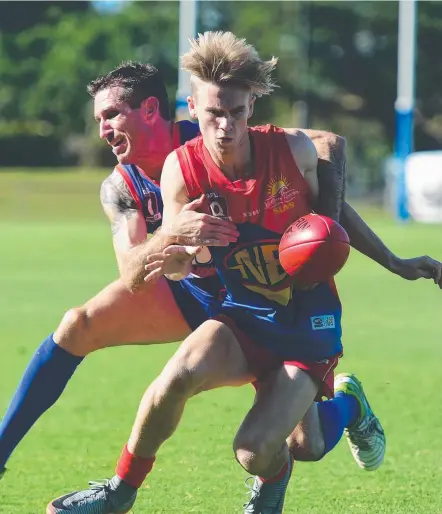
pixel 117 142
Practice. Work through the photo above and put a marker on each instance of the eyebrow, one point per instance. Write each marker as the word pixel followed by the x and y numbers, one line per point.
pixel 105 111
pixel 216 109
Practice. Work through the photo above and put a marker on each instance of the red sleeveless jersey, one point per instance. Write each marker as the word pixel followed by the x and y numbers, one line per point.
pixel 274 197
pixel 260 296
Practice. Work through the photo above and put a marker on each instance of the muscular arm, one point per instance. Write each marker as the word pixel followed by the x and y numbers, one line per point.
pixel 175 198
pixel 329 184
pixel 331 202
pixel 363 239
pixel 331 172
pixel 306 157
pixel 129 231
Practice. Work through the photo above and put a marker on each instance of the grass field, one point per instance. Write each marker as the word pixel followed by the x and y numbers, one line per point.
pixel 56 253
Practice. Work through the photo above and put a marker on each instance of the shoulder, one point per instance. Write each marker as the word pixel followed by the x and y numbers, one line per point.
pixel 115 191
pixel 172 161
pixel 302 148
pixel 172 175
pixel 327 143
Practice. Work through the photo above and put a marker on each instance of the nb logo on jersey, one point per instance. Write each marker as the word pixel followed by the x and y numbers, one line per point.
pixel 152 210
pixel 258 269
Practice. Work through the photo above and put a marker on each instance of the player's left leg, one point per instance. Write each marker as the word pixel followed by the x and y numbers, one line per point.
pixel 349 413
pixel 321 428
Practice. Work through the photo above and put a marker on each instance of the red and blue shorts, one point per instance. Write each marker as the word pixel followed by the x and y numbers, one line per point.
pixel 262 361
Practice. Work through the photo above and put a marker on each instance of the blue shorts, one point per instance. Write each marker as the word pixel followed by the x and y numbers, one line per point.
pixel 197 298
pixel 308 328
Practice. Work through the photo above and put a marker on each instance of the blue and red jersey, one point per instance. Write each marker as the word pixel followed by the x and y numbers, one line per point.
pixel 145 190
pixel 198 298
pixel 260 295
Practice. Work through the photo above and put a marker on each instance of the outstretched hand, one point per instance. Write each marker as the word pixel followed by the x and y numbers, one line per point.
pixel 420 267
pixel 174 261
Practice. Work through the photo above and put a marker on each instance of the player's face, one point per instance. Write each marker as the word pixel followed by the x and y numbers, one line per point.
pixel 121 126
pixel 222 113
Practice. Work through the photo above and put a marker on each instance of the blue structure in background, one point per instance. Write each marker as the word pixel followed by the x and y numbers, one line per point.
pixel 109 6
pixel 404 105
pixel 187 29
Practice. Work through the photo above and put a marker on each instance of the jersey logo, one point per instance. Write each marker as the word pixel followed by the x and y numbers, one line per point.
pixel 323 322
pixel 280 197
pixel 151 203
pixel 218 206
pixel 258 269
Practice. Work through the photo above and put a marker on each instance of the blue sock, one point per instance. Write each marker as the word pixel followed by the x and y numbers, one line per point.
pixel 335 415
pixel 44 380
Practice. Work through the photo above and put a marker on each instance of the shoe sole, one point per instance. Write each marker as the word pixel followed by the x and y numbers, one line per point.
pixel 51 510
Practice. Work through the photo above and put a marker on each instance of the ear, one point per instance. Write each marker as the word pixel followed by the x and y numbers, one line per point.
pixel 251 106
pixel 150 108
pixel 192 107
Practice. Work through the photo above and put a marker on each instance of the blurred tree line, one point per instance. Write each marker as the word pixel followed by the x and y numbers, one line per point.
pixel 336 71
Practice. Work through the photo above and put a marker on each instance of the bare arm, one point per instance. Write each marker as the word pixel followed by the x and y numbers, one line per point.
pixel 175 200
pixel 306 157
pixel 332 167
pixel 129 231
pixel 331 180
pixel 363 239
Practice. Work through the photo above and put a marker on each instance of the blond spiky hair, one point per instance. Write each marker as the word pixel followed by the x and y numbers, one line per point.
pixel 222 58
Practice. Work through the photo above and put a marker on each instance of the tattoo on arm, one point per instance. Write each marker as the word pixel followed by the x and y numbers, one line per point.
pixel 332 181
pixel 117 201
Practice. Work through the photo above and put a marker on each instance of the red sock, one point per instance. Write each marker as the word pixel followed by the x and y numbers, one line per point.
pixel 277 477
pixel 132 469
pixel 281 473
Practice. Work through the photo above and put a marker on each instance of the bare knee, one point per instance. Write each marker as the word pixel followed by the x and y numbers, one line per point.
pixel 255 454
pixel 75 334
pixel 307 447
pixel 182 377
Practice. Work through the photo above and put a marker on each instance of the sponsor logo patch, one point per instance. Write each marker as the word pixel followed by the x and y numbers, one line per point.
pixel 323 322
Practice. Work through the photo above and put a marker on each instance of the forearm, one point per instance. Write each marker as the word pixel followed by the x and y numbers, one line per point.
pixel 132 265
pixel 331 180
pixel 363 239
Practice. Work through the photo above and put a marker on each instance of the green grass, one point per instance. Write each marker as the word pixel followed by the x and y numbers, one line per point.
pixel 56 252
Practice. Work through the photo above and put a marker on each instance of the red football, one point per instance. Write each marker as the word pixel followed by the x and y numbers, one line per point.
pixel 314 248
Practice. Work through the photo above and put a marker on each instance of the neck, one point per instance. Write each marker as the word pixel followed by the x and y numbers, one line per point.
pixel 237 164
pixel 158 146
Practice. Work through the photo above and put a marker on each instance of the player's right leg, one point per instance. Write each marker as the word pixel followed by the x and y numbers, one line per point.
pixel 114 316
pixel 209 358
pixel 281 402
